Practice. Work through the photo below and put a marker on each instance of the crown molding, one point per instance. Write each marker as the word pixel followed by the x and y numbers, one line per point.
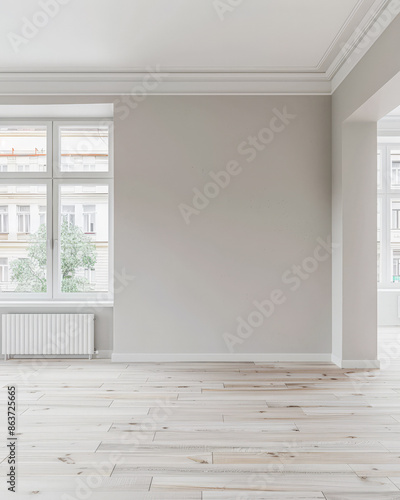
pixel 360 42
pixel 345 31
pixel 162 83
pixel 211 81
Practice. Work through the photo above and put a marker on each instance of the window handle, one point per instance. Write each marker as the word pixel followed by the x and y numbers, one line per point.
pixel 52 243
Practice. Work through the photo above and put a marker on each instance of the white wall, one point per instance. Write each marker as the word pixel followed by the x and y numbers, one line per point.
pixel 388 310
pixel 364 97
pixel 193 280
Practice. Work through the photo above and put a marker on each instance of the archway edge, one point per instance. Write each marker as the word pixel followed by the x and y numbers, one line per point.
pixel 365 97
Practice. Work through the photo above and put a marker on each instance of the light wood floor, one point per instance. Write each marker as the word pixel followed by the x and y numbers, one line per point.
pixel 204 431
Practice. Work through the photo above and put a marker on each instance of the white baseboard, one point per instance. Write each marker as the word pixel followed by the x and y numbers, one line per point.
pixel 355 363
pixel 336 360
pixel 104 354
pixel 218 357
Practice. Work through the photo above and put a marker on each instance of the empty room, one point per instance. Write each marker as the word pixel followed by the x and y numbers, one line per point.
pixel 200 249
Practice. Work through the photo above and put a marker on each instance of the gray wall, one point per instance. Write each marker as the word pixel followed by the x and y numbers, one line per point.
pixel 180 287
pixel 193 280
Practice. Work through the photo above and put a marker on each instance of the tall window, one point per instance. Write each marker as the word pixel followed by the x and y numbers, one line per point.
pixel 90 275
pixel 4 219
pixel 55 229
pixel 24 218
pixel 395 170
pixel 89 218
pixel 42 214
pixel 3 270
pixel 68 214
pixel 389 216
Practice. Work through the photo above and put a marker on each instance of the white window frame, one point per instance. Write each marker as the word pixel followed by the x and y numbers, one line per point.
pixel 16 296
pixel 88 174
pixel 49 150
pixel 86 296
pixel 52 178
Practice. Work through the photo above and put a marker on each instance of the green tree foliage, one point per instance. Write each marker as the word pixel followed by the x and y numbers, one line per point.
pixel 77 252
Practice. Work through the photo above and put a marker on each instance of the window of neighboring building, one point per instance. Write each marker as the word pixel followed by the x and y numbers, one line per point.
pixel 3 270
pixel 24 218
pixel 56 210
pixel 395 216
pixel 394 169
pixel 89 218
pixel 3 219
pixel 396 266
pixel 84 148
pixel 42 214
pixel 90 275
pixel 24 147
pixel 68 214
pixel 23 168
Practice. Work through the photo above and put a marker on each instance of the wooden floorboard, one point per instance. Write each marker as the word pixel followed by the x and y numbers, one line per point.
pixel 204 431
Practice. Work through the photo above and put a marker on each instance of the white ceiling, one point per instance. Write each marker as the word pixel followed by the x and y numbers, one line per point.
pixel 256 40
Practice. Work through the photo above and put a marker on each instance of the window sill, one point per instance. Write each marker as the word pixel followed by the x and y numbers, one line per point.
pixel 56 303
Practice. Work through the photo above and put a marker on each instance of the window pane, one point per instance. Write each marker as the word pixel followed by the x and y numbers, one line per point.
pixel 23 239
pixel 84 238
pixel 42 215
pixel 24 218
pixel 23 148
pixel 395 239
pixel 395 169
pixel 379 169
pixel 84 149
pixel 379 236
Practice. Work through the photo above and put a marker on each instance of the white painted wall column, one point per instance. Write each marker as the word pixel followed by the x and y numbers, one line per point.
pixel 355 297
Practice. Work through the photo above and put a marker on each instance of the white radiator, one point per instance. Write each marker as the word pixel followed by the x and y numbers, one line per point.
pixel 50 334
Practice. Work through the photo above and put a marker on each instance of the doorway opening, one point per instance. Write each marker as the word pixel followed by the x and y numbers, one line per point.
pixel 388 237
